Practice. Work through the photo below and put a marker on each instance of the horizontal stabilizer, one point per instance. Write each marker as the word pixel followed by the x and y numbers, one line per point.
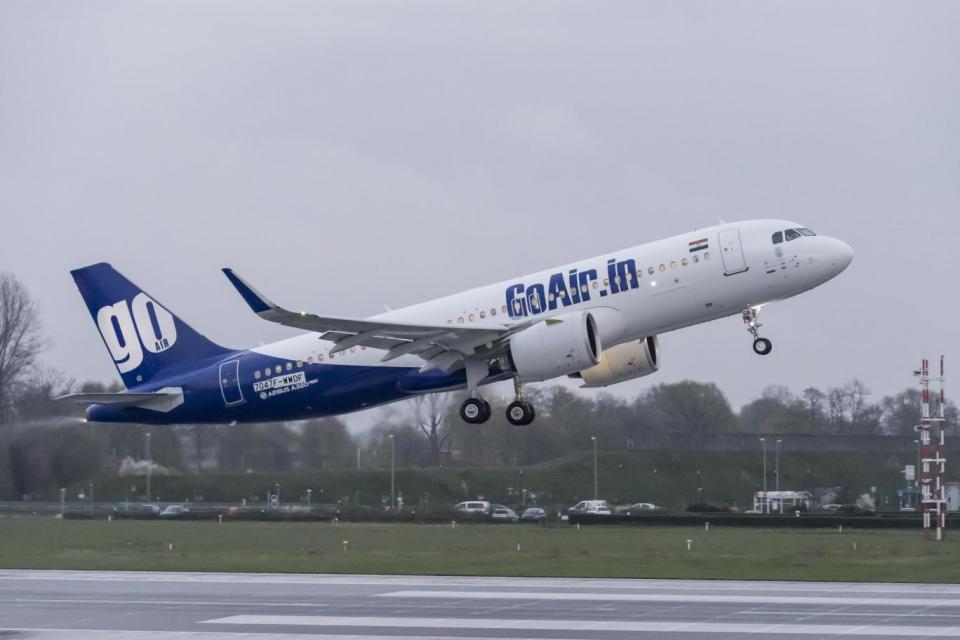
pixel 164 400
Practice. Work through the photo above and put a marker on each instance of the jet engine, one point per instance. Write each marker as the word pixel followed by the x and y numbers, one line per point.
pixel 557 346
pixel 623 362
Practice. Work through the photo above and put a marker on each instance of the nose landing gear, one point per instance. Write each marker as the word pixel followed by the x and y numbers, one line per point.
pixel 761 346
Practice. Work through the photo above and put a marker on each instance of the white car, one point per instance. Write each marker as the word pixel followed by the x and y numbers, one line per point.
pixel 599 507
pixel 504 515
pixel 642 506
pixel 479 507
pixel 174 510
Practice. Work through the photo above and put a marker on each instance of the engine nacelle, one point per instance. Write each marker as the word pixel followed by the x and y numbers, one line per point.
pixel 557 346
pixel 624 362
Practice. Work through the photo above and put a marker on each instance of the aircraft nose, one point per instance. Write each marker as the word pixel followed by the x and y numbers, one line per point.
pixel 841 254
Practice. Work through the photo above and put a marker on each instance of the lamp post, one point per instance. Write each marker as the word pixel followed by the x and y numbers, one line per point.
pixel 439 482
pixel 699 487
pixel 276 493
pixel 393 449
pixel 149 468
pixel 596 491
pixel 620 481
pixel 654 485
pixel 766 506
pixel 309 497
pixel 779 497
pixel 523 502
pixel 63 500
pixel 91 499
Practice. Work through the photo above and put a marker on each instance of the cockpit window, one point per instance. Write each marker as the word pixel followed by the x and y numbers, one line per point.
pixel 791 234
pixel 778 237
pixel 806 232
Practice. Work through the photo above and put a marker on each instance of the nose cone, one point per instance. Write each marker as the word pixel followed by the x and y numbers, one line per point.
pixel 841 254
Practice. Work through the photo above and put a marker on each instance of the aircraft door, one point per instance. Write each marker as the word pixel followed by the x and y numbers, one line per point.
pixel 230 382
pixel 731 251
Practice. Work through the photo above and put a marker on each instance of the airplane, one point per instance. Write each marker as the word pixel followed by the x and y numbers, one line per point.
pixel 596 320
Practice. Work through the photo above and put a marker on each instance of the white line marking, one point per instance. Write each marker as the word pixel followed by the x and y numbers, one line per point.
pixel 444 581
pixel 177 603
pixel 651 626
pixel 842 613
pixel 671 597
pixel 133 634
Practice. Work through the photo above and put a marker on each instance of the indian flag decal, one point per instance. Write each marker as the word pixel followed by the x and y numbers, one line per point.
pixel 698 245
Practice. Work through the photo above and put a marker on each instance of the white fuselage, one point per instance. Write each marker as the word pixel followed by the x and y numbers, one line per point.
pixel 680 281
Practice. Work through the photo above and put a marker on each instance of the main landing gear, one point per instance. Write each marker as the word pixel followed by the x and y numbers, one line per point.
pixel 520 412
pixel 476 410
pixel 761 346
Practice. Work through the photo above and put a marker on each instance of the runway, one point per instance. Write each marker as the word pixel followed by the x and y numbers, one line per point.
pixel 54 605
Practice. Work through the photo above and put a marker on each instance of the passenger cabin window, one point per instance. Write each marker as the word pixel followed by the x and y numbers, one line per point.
pixel 791 234
pixel 778 237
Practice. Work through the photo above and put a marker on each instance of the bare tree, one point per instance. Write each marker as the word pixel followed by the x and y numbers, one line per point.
pixel 429 411
pixel 856 393
pixel 813 399
pixel 836 405
pixel 20 340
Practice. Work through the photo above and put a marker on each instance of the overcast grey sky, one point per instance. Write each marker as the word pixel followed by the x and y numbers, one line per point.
pixel 346 155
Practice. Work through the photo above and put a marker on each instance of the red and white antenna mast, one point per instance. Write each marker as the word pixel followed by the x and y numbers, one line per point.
pixel 932 455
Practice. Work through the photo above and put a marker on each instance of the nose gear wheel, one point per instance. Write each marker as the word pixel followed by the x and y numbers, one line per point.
pixel 751 318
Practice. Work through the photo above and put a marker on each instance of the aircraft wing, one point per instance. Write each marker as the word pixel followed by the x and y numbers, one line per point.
pixel 441 346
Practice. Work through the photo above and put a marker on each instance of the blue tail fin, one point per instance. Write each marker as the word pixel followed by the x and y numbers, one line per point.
pixel 142 336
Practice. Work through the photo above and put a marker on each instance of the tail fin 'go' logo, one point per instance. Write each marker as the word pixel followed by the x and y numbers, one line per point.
pixel 149 325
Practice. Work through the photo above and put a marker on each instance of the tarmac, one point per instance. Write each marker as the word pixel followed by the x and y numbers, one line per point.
pixel 79 605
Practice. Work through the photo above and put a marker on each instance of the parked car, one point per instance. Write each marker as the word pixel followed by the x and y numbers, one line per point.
pixel 174 510
pixel 534 514
pixel 599 507
pixel 639 507
pixel 832 507
pixel 479 507
pixel 504 514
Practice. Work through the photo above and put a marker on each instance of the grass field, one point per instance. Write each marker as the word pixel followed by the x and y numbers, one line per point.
pixel 607 551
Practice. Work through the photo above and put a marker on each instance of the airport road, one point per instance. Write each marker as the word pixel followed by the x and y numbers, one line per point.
pixel 53 605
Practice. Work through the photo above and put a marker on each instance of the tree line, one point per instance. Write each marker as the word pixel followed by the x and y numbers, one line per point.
pixel 44 443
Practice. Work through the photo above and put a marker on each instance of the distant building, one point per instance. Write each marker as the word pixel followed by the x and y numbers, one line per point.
pixel 909 499
pixel 952 492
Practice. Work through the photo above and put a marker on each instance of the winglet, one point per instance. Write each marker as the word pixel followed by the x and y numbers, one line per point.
pixel 257 302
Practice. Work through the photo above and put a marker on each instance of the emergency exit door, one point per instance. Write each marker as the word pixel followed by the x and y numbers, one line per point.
pixel 731 252
pixel 230 382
